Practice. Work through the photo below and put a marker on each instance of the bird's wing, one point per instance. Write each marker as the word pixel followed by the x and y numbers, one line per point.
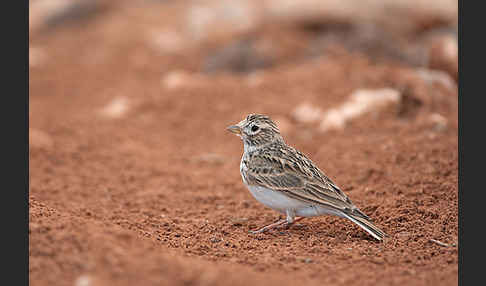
pixel 286 170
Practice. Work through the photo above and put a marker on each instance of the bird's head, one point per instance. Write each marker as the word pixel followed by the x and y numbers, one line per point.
pixel 256 130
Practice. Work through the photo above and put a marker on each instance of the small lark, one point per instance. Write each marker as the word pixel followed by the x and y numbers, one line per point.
pixel 285 180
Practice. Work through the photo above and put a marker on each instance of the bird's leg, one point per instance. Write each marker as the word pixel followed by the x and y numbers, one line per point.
pixel 286 222
pixel 270 226
pixel 291 218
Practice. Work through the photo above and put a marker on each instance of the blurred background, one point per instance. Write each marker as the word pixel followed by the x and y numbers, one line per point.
pixel 125 53
pixel 131 165
pixel 243 36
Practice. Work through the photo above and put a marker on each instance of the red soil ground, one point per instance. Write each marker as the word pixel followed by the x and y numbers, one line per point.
pixel 148 191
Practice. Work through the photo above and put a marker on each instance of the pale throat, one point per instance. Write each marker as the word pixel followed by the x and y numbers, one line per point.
pixel 252 147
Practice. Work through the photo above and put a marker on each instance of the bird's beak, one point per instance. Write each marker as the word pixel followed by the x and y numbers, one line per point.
pixel 234 129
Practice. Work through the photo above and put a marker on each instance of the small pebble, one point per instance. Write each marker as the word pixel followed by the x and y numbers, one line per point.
pixel 116 108
pixel 439 122
pixel 307 260
pixel 83 280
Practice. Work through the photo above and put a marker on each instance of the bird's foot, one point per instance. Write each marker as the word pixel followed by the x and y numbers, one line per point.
pixel 279 224
pixel 270 226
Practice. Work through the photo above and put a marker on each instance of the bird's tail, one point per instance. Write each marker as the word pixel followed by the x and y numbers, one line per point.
pixel 367 225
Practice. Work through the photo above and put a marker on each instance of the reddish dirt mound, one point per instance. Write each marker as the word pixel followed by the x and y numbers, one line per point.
pixel 134 179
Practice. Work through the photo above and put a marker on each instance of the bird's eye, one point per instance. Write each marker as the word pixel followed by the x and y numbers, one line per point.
pixel 254 128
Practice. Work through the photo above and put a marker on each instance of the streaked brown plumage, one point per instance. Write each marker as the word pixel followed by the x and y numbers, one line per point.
pixel 284 179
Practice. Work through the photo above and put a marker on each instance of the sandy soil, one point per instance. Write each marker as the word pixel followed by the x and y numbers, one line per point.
pixel 134 180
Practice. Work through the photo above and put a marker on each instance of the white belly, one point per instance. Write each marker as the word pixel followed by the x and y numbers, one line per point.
pixel 282 203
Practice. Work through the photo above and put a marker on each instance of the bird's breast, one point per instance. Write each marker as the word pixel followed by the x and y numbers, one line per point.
pixel 280 202
pixel 274 199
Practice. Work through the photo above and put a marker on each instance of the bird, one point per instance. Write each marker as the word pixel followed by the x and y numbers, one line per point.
pixel 285 180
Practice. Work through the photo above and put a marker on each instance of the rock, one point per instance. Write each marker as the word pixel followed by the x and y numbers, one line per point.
pixel 444 55
pixel 360 102
pixel 117 108
pixel 307 113
pixel 83 280
pixel 438 122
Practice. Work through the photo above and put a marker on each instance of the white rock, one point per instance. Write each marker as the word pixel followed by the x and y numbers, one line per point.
pixel 116 108
pixel 307 113
pixel 450 47
pixel 333 119
pixel 439 122
pixel 83 280
pixel 444 54
pixel 360 102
